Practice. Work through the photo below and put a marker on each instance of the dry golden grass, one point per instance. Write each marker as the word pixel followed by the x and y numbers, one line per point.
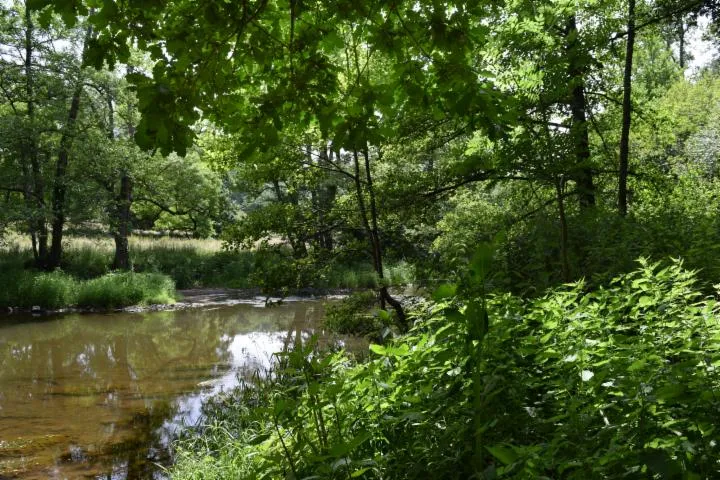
pixel 106 244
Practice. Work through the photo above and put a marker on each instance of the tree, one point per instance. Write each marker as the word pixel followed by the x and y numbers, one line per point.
pixel 627 111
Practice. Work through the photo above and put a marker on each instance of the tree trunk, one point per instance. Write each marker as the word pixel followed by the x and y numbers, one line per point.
pixel 681 42
pixel 59 192
pixel 59 185
pixel 122 230
pixel 328 201
pixel 627 112
pixel 371 229
pixel 583 175
pixel 122 202
pixel 559 188
pixel 34 188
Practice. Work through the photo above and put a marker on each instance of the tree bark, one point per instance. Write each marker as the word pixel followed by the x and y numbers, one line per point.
pixel 371 228
pixel 60 181
pixel 123 203
pixel 627 113
pixel 681 41
pixel 583 174
pixel 59 192
pixel 34 183
pixel 559 188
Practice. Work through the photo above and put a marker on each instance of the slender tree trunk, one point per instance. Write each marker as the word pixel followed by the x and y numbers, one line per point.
pixel 371 228
pixel 329 193
pixel 583 175
pixel 323 198
pixel 316 202
pixel 559 188
pixel 60 182
pixel 681 42
pixel 59 193
pixel 627 112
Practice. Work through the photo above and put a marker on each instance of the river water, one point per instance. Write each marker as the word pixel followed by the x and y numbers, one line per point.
pixel 101 396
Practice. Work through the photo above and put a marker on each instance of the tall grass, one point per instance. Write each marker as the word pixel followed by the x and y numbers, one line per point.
pixel 194 263
pixel 55 290
pixel 123 289
pixel 363 276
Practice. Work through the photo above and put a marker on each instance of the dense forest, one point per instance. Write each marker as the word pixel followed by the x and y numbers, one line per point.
pixel 544 173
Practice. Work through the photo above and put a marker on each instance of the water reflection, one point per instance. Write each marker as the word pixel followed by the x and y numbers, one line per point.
pixel 99 396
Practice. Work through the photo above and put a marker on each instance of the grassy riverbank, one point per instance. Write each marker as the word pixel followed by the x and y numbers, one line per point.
pixel 86 278
pixel 56 290
pixel 613 384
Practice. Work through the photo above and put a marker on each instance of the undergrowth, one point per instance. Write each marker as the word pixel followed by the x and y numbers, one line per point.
pixel 355 315
pixel 203 264
pixel 55 290
pixel 618 383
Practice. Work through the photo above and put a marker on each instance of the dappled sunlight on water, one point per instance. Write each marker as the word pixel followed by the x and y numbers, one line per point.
pixel 101 396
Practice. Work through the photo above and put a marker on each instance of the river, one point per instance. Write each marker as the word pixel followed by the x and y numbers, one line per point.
pixel 102 395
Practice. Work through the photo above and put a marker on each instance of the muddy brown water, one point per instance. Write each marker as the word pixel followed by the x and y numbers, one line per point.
pixel 102 396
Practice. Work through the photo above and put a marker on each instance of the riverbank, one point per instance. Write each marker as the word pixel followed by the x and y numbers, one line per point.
pixel 85 282
pixel 571 384
pixel 31 291
pixel 203 263
pixel 200 298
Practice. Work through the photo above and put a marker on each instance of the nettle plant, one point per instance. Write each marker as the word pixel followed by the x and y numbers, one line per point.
pixel 621 383
pixel 617 383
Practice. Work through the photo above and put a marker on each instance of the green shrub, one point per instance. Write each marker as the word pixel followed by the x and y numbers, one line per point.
pixel 354 315
pixel 124 289
pixel 86 262
pixel 46 290
pixel 618 383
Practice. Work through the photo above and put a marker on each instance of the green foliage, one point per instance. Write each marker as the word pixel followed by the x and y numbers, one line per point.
pixel 618 383
pixel 86 262
pixel 47 290
pixel 57 290
pixel 354 315
pixel 192 268
pixel 117 290
pixel 615 384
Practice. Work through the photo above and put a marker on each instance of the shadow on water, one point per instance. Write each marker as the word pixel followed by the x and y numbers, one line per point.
pixel 102 396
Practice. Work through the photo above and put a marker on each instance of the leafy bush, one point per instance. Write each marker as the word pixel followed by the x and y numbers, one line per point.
pixel 86 262
pixel 47 290
pixel 124 289
pixel 353 315
pixel 618 383
pixel 55 290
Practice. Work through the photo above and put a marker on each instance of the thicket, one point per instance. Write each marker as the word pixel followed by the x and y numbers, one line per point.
pixel 618 383
pixel 203 264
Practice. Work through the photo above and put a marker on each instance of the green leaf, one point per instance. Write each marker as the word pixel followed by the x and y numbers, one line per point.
pixel 378 349
pixel 506 454
pixel 446 290
pixel 343 449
